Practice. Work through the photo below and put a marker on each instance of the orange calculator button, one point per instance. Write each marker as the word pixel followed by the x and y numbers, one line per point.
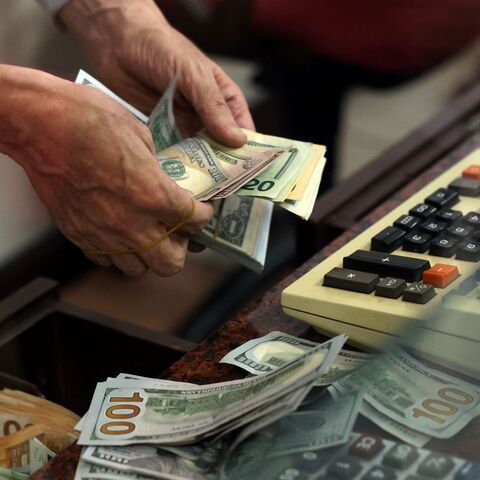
pixel 473 171
pixel 441 275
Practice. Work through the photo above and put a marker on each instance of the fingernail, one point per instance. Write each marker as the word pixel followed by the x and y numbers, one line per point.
pixel 237 132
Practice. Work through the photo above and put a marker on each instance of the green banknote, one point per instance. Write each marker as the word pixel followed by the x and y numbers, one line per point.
pixel 267 353
pixel 7 474
pixel 162 120
pixel 88 471
pixel 128 411
pixel 412 394
pixel 145 460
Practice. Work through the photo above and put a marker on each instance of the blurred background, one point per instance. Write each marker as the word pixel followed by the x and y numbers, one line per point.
pixel 357 103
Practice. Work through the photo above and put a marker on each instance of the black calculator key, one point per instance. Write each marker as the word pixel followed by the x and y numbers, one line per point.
pixel 385 265
pixel 292 474
pixel 401 456
pixel 469 250
pixel 311 462
pixel 436 465
pixel 344 467
pixel 472 219
pixel 380 473
pixel 407 222
pixel 469 471
pixel 468 187
pixel 416 242
pixel 449 217
pixel 476 235
pixel 442 198
pixel 419 292
pixel 388 240
pixel 443 246
pixel 367 447
pixel 461 232
pixel 423 211
pixel 390 287
pixel 353 280
pixel 433 227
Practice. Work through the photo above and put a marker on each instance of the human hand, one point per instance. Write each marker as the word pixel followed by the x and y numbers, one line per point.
pixel 93 165
pixel 136 53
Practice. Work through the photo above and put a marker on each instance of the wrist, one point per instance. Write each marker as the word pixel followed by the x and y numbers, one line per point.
pixel 28 99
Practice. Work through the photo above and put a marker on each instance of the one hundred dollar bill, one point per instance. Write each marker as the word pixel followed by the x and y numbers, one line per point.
pixel 320 422
pixel 89 471
pixel 144 460
pixel 398 430
pixel 267 353
pixel 127 411
pixel 412 394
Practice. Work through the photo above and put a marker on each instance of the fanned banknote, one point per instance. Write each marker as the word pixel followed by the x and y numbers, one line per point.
pixel 127 412
pixel 84 78
pixel 136 460
pixel 275 349
pixel 423 399
pixel 162 120
pixel 240 229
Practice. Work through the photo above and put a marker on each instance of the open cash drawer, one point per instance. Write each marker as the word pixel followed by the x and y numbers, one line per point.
pixel 64 351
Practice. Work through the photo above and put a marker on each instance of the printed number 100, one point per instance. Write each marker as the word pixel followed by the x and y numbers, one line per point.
pixel 121 413
pixel 438 409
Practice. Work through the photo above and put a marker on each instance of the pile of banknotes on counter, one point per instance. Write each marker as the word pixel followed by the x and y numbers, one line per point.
pixel 300 397
pixel 32 431
pixel 244 183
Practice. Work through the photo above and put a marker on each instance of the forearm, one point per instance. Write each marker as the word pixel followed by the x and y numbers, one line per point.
pixel 28 101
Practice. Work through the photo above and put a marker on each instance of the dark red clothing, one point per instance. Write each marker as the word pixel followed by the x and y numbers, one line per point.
pixel 386 34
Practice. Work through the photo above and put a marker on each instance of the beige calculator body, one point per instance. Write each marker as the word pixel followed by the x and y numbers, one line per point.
pixel 370 320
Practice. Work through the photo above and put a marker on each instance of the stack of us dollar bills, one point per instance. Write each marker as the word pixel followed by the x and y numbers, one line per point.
pixel 400 393
pixel 243 183
pixel 143 428
pixel 301 396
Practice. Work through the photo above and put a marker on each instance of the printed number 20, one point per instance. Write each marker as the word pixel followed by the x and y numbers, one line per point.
pixel 256 184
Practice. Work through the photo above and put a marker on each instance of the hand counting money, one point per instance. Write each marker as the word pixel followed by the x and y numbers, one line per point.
pixel 243 182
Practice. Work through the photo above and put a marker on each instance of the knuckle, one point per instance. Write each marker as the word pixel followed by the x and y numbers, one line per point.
pixel 134 270
pixel 171 266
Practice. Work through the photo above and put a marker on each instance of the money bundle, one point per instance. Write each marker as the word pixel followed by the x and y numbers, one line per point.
pixel 32 431
pixel 401 394
pixel 142 428
pixel 243 182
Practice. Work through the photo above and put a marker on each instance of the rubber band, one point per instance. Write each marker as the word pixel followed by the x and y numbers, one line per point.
pixel 145 247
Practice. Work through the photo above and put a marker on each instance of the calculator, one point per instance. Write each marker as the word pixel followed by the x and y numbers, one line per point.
pixel 421 258
pixel 368 457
